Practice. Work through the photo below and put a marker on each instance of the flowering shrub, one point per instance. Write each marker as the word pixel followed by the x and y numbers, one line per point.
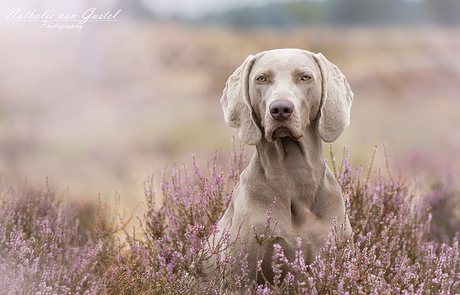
pixel 401 242
pixel 42 249
pixel 444 206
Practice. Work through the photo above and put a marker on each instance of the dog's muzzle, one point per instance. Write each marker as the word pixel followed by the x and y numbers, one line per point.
pixel 281 122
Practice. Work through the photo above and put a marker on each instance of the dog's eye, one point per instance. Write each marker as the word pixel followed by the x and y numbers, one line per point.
pixel 306 78
pixel 261 79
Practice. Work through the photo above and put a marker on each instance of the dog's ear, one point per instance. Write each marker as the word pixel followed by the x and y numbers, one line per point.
pixel 236 104
pixel 336 100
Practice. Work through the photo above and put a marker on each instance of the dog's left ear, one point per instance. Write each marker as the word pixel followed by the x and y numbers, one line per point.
pixel 336 100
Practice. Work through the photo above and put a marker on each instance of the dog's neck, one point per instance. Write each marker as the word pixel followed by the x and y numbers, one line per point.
pixel 293 167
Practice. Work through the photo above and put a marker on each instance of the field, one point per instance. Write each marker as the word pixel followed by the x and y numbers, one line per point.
pixel 97 111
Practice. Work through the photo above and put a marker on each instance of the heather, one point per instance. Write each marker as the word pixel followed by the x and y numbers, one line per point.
pixel 405 238
pixel 42 248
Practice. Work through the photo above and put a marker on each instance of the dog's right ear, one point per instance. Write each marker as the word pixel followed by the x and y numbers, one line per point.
pixel 236 104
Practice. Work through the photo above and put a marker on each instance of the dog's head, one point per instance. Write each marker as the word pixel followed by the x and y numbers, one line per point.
pixel 280 92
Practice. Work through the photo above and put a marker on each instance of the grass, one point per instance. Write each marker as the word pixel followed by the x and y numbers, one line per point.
pixel 405 241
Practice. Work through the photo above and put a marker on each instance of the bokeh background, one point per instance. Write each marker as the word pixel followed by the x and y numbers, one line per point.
pixel 97 110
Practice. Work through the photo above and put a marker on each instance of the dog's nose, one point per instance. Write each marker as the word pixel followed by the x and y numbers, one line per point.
pixel 281 110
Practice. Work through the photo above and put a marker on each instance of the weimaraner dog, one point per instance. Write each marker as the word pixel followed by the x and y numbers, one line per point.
pixel 285 101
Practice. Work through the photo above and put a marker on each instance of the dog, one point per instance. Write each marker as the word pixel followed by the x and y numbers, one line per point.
pixel 285 102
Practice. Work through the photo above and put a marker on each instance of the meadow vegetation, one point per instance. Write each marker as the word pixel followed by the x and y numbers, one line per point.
pixel 111 105
pixel 405 240
pixel 98 110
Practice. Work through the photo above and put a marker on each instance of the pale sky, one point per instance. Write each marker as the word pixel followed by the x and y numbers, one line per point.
pixel 195 8
pixel 190 8
pixel 202 7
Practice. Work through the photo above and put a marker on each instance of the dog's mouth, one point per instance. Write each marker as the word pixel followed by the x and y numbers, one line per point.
pixel 282 131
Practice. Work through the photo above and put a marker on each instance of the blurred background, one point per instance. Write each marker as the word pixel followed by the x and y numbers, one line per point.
pixel 98 109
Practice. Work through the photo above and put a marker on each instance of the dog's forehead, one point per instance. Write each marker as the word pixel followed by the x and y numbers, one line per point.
pixel 285 60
